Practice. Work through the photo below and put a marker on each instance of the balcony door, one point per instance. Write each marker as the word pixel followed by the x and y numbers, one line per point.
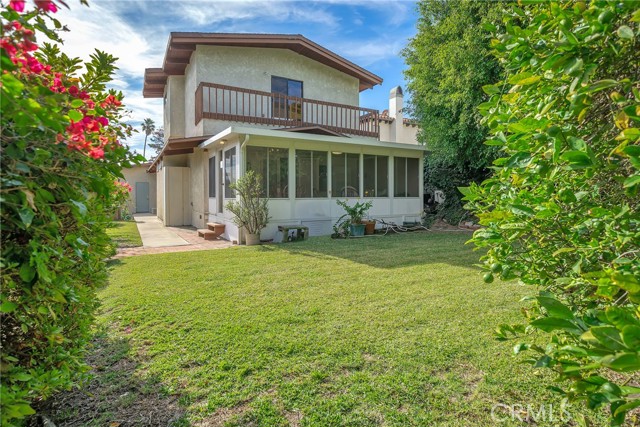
pixel 282 106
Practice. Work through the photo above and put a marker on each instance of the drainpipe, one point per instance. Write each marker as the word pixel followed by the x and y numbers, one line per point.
pixel 242 151
pixel 246 139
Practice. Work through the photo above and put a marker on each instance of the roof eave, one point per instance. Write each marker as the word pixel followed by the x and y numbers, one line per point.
pixel 181 45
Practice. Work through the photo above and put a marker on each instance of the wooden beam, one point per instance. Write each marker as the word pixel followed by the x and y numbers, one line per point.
pixel 182 144
pixel 180 151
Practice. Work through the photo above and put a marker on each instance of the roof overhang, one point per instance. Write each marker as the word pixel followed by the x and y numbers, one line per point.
pixel 177 146
pixel 240 132
pixel 181 45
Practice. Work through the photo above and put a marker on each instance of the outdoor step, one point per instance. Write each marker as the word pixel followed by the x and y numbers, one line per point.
pixel 216 226
pixel 207 234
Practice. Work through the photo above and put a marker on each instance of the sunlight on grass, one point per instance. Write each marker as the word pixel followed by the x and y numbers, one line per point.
pixel 124 234
pixel 393 330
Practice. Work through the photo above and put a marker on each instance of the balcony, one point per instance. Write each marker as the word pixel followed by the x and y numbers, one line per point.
pixel 235 104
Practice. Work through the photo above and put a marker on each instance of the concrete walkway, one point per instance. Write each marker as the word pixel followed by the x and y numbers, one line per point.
pixel 156 235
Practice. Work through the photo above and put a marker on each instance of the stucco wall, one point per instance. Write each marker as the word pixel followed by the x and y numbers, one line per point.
pixel 139 174
pixel 176 106
pixel 198 187
pixel 177 209
pixel 160 193
pixel 252 68
pixel 407 134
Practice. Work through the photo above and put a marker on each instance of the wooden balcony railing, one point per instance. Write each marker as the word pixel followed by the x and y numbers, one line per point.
pixel 220 102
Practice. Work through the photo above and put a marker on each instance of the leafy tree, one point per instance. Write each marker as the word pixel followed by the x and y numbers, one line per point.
pixel 449 61
pixel 148 126
pixel 61 157
pixel 157 141
pixel 561 210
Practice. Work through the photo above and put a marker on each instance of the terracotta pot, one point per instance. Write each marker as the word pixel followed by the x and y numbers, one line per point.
pixel 252 239
pixel 369 227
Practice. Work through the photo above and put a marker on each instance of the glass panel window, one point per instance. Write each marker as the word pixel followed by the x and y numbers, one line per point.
pixel 212 176
pixel 413 177
pixel 273 166
pixel 278 165
pixel 382 176
pixel 407 177
pixel 283 107
pixel 338 179
pixel 345 175
pixel 303 173
pixel 400 176
pixel 369 175
pixel 320 173
pixel 353 175
pixel 230 161
pixel 257 162
pixel 375 177
pixel 311 174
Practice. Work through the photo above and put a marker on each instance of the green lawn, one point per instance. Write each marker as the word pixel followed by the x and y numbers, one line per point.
pixel 125 234
pixel 381 331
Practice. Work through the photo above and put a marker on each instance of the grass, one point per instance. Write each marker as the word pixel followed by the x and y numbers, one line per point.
pixel 125 234
pixel 393 331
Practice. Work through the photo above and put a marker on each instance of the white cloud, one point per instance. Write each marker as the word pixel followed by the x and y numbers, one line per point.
pixel 369 52
pixel 213 13
pixel 100 27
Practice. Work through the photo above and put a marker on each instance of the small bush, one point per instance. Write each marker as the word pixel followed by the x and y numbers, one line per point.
pixel 561 211
pixel 60 159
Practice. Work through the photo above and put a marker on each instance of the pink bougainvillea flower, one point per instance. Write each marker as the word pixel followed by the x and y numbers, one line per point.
pixel 96 153
pixel 73 90
pixel 17 5
pixel 9 47
pixel 29 46
pixel 46 5
pixel 110 100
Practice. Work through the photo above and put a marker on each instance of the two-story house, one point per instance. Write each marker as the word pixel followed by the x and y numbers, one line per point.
pixel 289 109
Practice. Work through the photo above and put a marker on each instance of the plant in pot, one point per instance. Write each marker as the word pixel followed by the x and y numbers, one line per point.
pixel 355 214
pixel 250 210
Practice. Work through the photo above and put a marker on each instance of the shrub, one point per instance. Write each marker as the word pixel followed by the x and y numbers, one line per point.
pixel 60 159
pixel 561 210
pixel 251 211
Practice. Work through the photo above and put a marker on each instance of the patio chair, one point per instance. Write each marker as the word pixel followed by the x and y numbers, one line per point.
pixel 392 226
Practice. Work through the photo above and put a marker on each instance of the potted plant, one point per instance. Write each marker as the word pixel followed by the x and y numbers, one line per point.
pixel 250 210
pixel 369 226
pixel 355 214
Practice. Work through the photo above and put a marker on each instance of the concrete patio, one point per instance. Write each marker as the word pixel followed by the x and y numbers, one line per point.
pixel 156 238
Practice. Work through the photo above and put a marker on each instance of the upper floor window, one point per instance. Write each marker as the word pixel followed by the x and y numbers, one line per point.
pixel 282 107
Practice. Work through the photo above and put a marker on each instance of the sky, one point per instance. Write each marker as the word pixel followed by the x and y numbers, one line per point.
pixel 370 33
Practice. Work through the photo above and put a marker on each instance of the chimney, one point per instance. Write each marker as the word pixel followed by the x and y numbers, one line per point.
pixel 395 112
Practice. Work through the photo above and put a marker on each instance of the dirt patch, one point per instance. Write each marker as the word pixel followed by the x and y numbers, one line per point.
pixel 293 418
pixel 222 415
pixel 472 378
pixel 116 395
pixel 440 225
